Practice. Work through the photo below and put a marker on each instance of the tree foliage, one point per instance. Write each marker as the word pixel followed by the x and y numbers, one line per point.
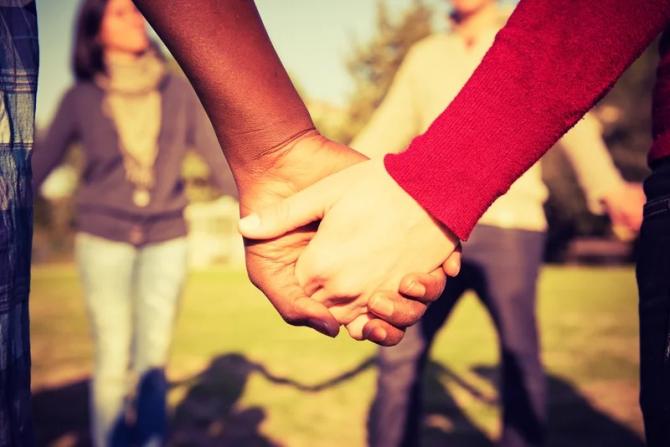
pixel 373 64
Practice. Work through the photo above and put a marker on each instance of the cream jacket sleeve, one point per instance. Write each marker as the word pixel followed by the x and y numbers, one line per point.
pixel 592 162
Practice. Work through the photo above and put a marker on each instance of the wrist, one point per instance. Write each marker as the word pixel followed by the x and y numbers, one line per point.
pixel 285 169
pixel 256 165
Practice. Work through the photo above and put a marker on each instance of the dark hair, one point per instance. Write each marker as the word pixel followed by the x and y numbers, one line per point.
pixel 87 55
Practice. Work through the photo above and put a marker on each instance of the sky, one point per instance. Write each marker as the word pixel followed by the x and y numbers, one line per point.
pixel 312 38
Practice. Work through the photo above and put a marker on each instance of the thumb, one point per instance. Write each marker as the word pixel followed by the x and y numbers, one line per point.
pixel 288 214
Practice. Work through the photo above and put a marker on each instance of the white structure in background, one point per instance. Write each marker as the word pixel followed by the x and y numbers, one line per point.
pixel 61 183
pixel 213 237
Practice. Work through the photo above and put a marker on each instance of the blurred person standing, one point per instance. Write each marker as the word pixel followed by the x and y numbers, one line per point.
pixel 135 121
pixel 503 256
pixel 19 62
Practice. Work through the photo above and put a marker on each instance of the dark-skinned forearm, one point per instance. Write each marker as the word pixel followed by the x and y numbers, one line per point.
pixel 226 53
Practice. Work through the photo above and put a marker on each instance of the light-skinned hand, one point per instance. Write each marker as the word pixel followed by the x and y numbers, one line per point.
pixel 624 205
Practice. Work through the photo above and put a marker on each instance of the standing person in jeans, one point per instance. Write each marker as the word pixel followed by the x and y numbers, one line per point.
pixel 134 121
pixel 19 61
pixel 503 256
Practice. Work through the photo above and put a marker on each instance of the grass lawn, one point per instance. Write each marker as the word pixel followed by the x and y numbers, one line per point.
pixel 241 377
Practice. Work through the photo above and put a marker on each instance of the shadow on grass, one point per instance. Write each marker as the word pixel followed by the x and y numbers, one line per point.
pixel 443 421
pixel 208 414
pixel 60 416
pixel 573 421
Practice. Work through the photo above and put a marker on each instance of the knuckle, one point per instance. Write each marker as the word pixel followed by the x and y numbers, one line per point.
pixel 342 286
pixel 416 310
pixel 312 274
pixel 318 267
pixel 282 211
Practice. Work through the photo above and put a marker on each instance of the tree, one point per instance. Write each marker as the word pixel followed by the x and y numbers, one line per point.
pixel 373 64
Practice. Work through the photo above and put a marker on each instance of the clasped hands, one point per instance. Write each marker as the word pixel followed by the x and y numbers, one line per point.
pixel 375 263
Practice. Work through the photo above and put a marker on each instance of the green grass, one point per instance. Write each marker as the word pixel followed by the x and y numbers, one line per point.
pixel 243 377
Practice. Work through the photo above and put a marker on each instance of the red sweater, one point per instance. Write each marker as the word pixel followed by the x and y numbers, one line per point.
pixel 548 66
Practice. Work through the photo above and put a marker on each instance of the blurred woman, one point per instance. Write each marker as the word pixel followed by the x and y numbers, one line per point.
pixel 134 121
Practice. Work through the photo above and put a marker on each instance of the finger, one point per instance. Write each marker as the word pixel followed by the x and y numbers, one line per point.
pixel 308 312
pixel 424 287
pixel 635 220
pixel 294 307
pixel 452 266
pixel 300 209
pixel 344 309
pixel 355 327
pixel 396 309
pixel 381 332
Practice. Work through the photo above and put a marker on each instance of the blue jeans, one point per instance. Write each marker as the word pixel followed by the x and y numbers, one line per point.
pixel 501 266
pixel 19 60
pixel 653 278
pixel 132 295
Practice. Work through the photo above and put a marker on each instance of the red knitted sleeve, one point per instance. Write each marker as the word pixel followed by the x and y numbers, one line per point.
pixel 548 66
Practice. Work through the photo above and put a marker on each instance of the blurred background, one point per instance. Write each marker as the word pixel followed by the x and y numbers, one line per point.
pixel 238 375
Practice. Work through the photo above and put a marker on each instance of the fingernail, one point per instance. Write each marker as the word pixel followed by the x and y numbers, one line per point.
pixel 381 306
pixel 417 289
pixel 250 223
pixel 323 327
pixel 378 334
